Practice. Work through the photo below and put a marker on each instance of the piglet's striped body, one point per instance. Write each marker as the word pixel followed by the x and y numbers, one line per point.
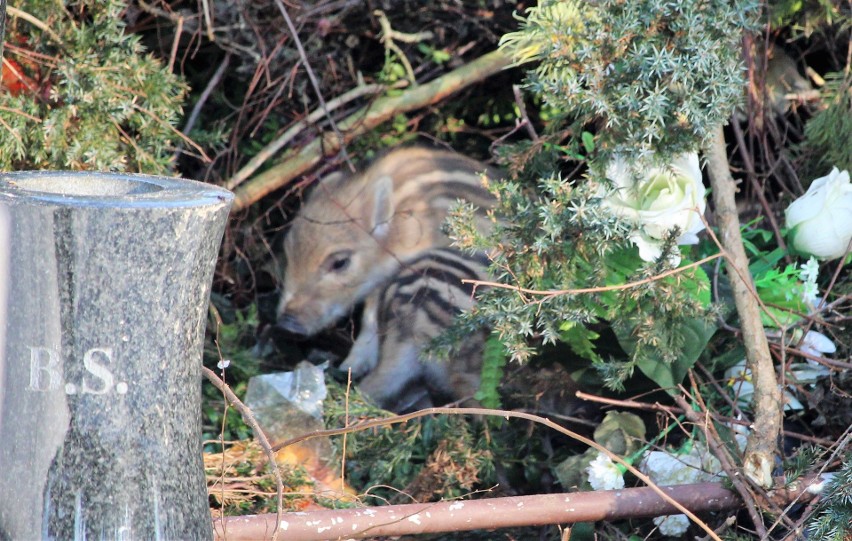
pixel 356 237
pixel 400 322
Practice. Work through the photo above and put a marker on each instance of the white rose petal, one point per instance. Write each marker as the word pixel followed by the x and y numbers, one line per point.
pixel 792 403
pixel 604 474
pixel 820 222
pixel 739 379
pixel 816 343
pixel 650 249
pixel 808 373
pixel 657 201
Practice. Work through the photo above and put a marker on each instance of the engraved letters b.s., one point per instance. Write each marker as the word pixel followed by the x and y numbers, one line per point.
pixel 46 374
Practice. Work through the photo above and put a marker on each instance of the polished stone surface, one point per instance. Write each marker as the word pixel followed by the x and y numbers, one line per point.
pixel 104 284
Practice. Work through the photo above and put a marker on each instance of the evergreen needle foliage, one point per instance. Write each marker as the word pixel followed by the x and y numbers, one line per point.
pixel 90 98
pixel 653 78
pixel 658 74
pixel 832 519
pixel 828 133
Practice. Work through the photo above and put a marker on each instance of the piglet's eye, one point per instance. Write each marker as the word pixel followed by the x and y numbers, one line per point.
pixel 338 261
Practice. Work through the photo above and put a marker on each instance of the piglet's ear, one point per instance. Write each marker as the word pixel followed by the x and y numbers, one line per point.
pixel 382 207
pixel 330 183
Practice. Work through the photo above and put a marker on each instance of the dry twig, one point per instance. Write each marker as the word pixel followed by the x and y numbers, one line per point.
pixel 314 82
pixel 21 14
pixel 280 142
pixel 249 419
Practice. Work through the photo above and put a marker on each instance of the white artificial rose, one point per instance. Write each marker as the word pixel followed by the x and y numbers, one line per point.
pixel 657 201
pixel 820 222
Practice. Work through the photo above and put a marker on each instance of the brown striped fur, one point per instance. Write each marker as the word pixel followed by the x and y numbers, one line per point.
pixel 353 233
pixel 403 318
pixel 377 237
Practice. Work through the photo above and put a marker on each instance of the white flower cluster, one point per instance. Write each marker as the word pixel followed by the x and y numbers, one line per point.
pixel 672 525
pixel 808 274
pixel 664 469
pixel 657 201
pixel 604 474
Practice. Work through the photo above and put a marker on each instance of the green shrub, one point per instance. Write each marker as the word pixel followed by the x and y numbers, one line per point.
pixel 89 97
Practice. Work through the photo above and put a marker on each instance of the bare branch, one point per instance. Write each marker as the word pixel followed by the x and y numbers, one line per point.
pixel 449 516
pixel 20 14
pixel 314 82
pixel 762 441
pixel 373 423
pixel 383 109
pixel 273 147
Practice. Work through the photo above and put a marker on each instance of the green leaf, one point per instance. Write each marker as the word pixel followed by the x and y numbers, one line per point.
pixel 765 262
pixel 571 472
pixel 588 142
pixel 564 150
pixel 439 56
pixel 621 264
pixel 781 292
pixel 493 361
pixel 621 432
pixel 784 306
pixel 694 334
pixel 695 281
pixel 580 340
pixel 583 531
